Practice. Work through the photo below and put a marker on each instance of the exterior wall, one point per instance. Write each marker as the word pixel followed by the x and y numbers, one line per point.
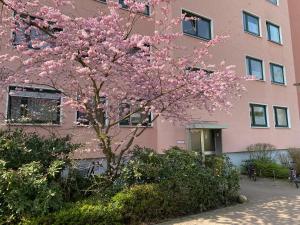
pixel 240 44
pixel 294 8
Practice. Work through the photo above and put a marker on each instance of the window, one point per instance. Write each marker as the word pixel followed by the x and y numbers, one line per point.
pixel 251 24
pixel 135 118
pixel 32 36
pixel 258 115
pixel 146 11
pixel 33 105
pixel 274 33
pixel 82 118
pixel 196 26
pixel 277 74
pixel 275 2
pixel 281 116
pixel 255 67
pixel 197 70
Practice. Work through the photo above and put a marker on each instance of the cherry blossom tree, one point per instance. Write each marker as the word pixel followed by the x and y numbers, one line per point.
pixel 109 71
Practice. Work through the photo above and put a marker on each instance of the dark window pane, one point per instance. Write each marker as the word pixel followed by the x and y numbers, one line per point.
pixel 275 2
pixel 33 106
pixel 277 72
pixel 258 115
pixel 251 24
pixel 281 117
pixel 274 33
pixel 255 68
pixel 189 26
pixel 196 25
pixel 204 29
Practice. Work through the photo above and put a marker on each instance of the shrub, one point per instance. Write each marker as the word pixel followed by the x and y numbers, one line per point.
pixel 29 191
pixel 269 169
pixel 139 203
pixel 154 187
pixel 30 174
pixel 82 213
pixel 144 166
pixel 261 151
pixel 187 185
pixel 18 148
pixel 295 156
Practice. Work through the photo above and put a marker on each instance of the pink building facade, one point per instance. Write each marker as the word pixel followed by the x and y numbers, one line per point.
pixel 263 42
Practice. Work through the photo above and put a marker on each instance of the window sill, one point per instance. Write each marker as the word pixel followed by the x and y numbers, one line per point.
pixel 253 34
pixel 131 126
pixel 258 127
pixel 33 125
pixel 279 84
pixel 101 2
pixel 263 81
pixel 197 37
pixel 276 43
pixel 282 128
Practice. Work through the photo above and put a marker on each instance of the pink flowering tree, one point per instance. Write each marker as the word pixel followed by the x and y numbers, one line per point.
pixel 110 71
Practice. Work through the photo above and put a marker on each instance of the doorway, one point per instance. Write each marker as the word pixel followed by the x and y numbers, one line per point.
pixel 206 141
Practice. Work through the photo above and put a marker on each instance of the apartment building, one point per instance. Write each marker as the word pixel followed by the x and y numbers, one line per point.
pixel 261 44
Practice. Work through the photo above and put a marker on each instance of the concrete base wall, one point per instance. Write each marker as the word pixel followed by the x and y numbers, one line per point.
pixel 237 158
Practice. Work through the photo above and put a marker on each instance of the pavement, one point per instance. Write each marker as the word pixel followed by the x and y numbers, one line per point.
pixel 269 203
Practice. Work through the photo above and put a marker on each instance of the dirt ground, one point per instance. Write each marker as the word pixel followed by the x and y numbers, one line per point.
pixel 268 203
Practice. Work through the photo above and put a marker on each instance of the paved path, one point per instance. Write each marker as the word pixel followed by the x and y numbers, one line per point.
pixel 269 203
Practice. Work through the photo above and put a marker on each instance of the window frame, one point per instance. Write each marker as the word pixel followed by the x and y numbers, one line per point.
pixel 58 122
pixel 272 74
pixel 249 68
pixel 275 107
pixel 146 12
pixel 105 119
pixel 268 24
pixel 149 123
pixel 273 3
pixel 207 19
pixel 246 26
pixel 252 118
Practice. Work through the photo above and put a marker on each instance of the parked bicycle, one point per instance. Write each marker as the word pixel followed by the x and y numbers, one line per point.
pixel 293 174
pixel 251 169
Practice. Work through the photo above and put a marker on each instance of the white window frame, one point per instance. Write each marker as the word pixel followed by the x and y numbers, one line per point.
pixel 32 124
pixel 267 115
pixel 288 117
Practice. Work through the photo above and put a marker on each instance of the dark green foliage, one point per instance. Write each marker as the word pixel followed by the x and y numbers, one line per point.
pixel 82 213
pixel 139 203
pixel 153 187
pixel 269 169
pixel 30 174
pixel 187 186
pixel 18 148
pixel 29 191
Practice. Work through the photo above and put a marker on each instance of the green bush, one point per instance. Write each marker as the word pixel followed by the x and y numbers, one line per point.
pixel 18 148
pixel 30 174
pixel 187 185
pixel 82 213
pixel 139 203
pixel 269 169
pixel 29 191
pixel 156 187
